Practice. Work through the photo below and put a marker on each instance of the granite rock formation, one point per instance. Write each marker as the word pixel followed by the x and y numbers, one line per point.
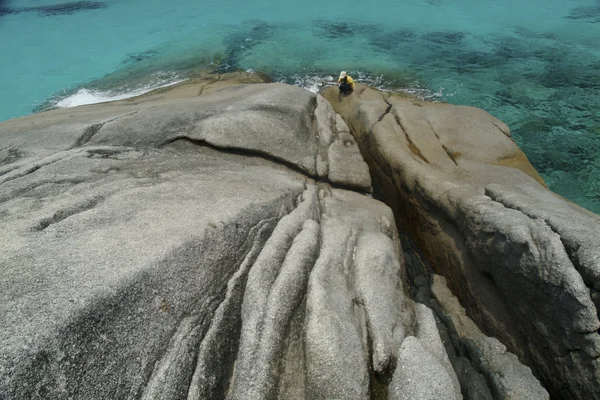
pixel 214 240
pixel 524 262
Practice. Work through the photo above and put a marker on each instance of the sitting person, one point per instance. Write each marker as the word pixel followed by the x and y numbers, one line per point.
pixel 345 83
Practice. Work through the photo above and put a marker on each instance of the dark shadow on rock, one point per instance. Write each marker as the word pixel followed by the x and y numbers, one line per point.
pixel 10 155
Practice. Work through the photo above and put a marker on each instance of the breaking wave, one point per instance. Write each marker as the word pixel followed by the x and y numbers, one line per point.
pixel 85 96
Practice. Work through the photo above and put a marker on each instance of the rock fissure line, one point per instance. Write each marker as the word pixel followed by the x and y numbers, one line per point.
pixel 568 250
pixel 411 145
pixel 21 191
pixel 416 190
pixel 93 129
pixel 274 288
pixel 25 170
pixel 31 166
pixel 107 152
pixel 387 111
pixel 171 372
pixel 61 215
pixel 416 267
pixel 263 155
pixel 442 144
pixel 454 348
pixel 206 378
pixel 507 134
pixel 88 133
pixel 5 169
pixel 13 155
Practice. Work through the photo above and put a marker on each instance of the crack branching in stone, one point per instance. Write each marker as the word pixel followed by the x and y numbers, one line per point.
pixel 93 129
pixel 415 150
pixel 27 169
pixel 183 338
pixel 32 166
pixel 387 110
pixel 88 133
pixel 578 351
pixel 507 134
pixel 450 155
pixel 61 215
pixel 263 155
pixel 223 353
pixel 568 249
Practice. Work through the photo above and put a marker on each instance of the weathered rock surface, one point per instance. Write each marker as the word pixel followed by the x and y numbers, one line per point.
pixel 506 376
pixel 198 243
pixel 264 120
pixel 524 262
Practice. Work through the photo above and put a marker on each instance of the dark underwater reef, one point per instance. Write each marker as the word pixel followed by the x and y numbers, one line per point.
pixel 54 9
pixel 587 14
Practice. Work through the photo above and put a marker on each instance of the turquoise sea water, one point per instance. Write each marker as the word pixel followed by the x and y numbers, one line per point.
pixel 535 64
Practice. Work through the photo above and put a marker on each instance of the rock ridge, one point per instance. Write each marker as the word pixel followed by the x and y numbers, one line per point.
pixel 523 261
pixel 213 240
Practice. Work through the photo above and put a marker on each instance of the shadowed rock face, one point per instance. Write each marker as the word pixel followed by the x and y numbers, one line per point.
pixel 208 241
pixel 523 261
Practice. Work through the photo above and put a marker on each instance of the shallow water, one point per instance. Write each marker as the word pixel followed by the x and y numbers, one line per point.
pixel 535 65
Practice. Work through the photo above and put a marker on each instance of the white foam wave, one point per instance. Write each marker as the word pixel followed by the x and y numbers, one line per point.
pixel 312 83
pixel 315 83
pixel 86 96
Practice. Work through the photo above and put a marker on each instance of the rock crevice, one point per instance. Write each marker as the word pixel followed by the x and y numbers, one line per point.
pixel 214 241
pixel 488 214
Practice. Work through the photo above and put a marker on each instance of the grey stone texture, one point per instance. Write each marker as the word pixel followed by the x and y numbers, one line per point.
pixel 420 376
pixel 506 376
pixel 523 261
pixel 430 338
pixel 208 241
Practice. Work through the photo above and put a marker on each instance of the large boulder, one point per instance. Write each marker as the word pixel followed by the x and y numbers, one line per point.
pixel 199 243
pixel 267 120
pixel 523 261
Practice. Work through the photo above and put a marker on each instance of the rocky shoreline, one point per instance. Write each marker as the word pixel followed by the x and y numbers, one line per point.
pixel 219 239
